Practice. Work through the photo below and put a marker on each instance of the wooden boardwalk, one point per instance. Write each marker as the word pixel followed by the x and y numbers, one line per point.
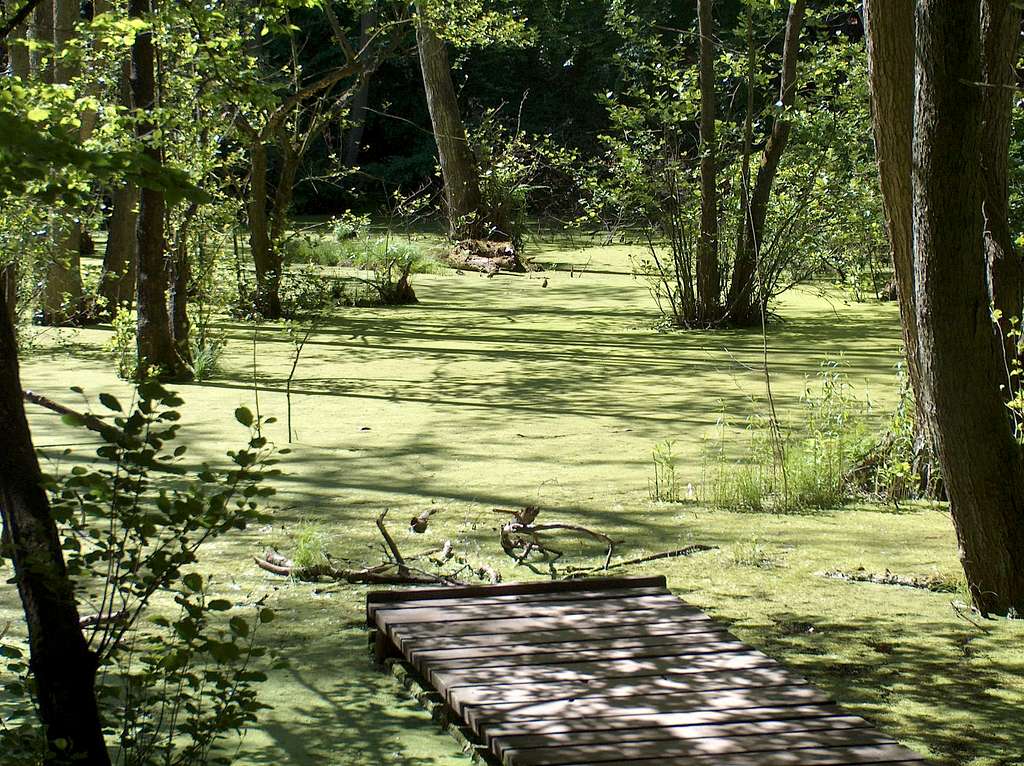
pixel 613 671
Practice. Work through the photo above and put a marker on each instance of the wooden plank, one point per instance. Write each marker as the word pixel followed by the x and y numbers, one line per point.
pixel 528 625
pixel 554 635
pixel 522 598
pixel 722 744
pixel 893 755
pixel 614 687
pixel 585 671
pixel 397 619
pixel 474 591
pixel 593 708
pixel 622 725
pixel 568 659
pixel 520 651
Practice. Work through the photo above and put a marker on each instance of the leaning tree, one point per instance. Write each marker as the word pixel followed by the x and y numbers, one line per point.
pixel 942 81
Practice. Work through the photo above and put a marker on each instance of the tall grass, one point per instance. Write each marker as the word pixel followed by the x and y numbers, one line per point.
pixel 818 456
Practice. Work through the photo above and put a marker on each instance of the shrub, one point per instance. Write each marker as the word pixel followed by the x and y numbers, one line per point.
pixel 174 687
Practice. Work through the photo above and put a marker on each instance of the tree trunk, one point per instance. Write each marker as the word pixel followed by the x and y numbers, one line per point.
pixel 154 343
pixel 267 298
pixel 62 665
pixel 20 66
pixel 357 114
pixel 180 281
pixel 708 277
pixel 1000 30
pixel 18 53
pixel 458 166
pixel 745 299
pixel 891 78
pixel 61 297
pixel 117 280
pixel 63 294
pixel 961 356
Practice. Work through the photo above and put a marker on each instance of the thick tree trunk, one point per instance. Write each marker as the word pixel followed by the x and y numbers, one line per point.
pixel 63 667
pixel 20 65
pixel 117 280
pixel 261 244
pixel 63 295
pixel 357 114
pixel 180 282
pixel 708 277
pixel 744 301
pixel 18 52
pixel 458 166
pixel 890 25
pixel 1000 30
pixel 961 355
pixel 154 343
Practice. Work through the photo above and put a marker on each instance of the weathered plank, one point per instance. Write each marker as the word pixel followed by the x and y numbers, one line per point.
pixel 722 744
pixel 585 671
pixel 375 598
pixel 600 706
pixel 614 687
pixel 616 672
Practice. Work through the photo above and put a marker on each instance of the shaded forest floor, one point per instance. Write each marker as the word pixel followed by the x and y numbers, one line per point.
pixel 501 393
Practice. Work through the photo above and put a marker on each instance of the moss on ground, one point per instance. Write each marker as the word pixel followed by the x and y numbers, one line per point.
pixel 504 392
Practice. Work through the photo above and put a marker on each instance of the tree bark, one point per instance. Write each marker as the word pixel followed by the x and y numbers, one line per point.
pixel 357 114
pixel 708 277
pixel 268 269
pixel 890 32
pixel 62 665
pixel 1000 31
pixel 458 166
pixel 961 355
pixel 744 300
pixel 180 283
pixel 154 344
pixel 63 295
pixel 117 279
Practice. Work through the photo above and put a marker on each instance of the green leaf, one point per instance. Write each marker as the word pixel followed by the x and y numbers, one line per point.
pixel 193 582
pixel 244 416
pixel 267 614
pixel 219 605
pixel 110 402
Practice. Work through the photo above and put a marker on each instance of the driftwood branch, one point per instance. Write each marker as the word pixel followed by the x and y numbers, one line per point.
pixel 90 421
pixel 275 563
pixel 689 550
pixel 522 536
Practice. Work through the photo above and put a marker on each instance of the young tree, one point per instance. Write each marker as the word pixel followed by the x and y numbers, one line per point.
pixel 744 302
pixel 954 285
pixel 63 666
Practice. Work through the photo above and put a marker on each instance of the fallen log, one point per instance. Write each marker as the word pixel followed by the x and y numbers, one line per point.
pixel 486 256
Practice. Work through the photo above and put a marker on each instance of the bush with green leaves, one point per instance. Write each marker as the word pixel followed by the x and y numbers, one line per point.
pixel 178 665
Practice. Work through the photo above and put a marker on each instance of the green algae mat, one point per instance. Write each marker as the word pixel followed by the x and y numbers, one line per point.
pixel 504 392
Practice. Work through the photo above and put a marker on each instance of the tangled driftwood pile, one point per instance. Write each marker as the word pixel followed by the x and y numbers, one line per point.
pixel 521 537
